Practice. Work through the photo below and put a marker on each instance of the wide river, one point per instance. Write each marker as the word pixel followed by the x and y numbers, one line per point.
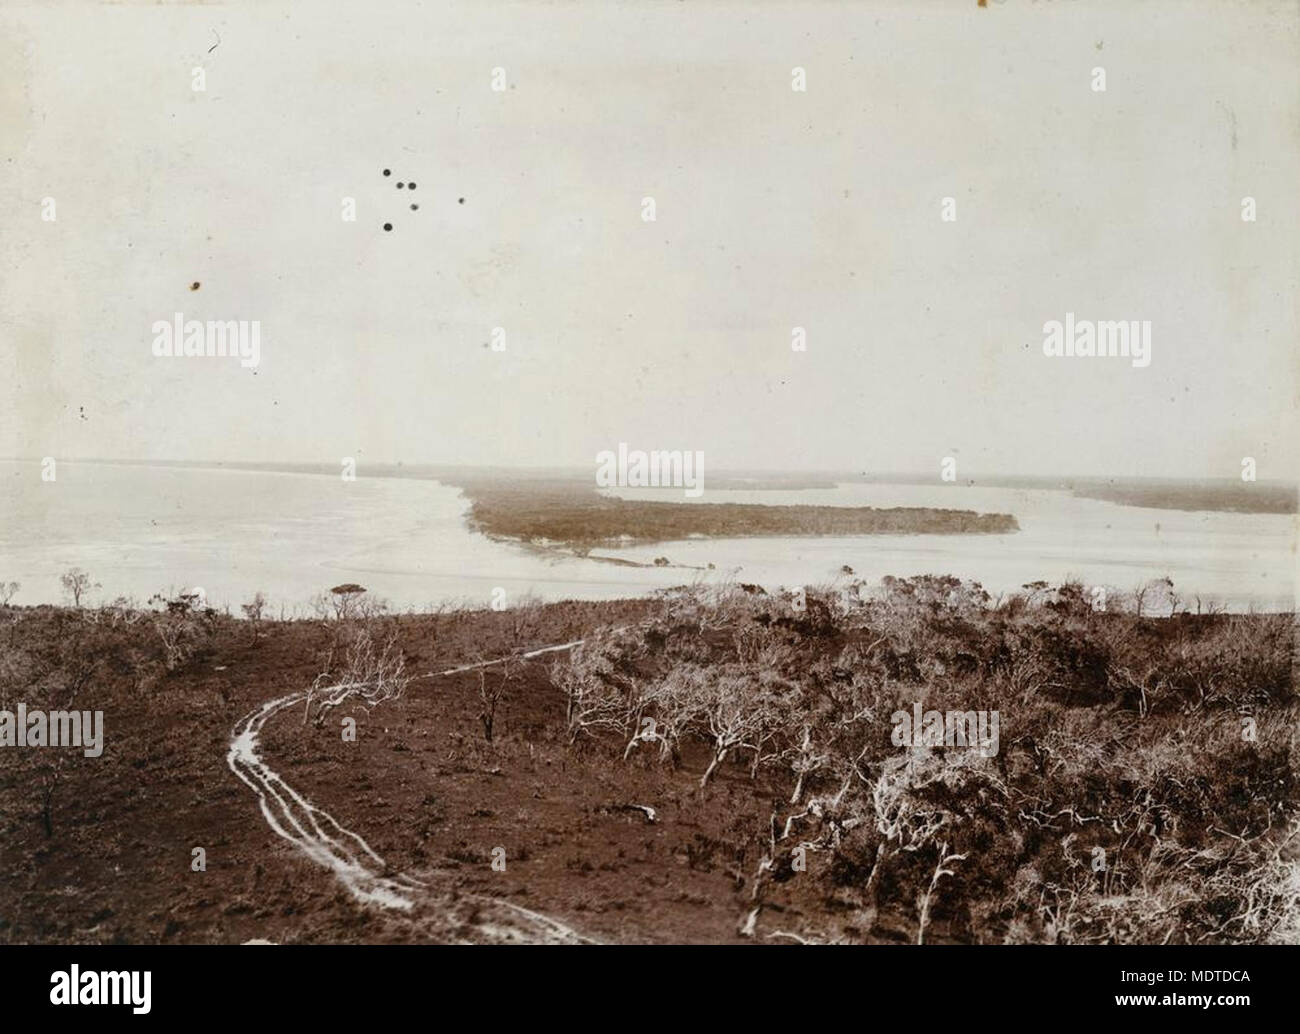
pixel 139 530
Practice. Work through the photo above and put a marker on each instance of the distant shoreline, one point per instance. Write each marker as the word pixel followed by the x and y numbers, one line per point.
pixel 558 512
pixel 1190 495
pixel 435 540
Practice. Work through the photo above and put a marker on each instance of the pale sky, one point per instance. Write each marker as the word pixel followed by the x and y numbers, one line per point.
pixel 774 209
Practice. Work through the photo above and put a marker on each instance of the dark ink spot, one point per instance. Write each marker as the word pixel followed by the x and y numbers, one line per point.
pixel 410 186
pixel 460 201
pixel 388 226
pixel 194 286
pixel 400 186
pixel 414 207
pixel 388 172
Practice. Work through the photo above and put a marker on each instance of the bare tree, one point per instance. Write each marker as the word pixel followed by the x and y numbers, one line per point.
pixel 924 898
pixel 253 612
pixel 523 618
pixel 76 584
pixel 663 713
pixel 346 598
pixel 761 876
pixel 374 673
pixel 1171 597
pixel 1140 593
pixel 1211 606
pixel 807 761
pixel 734 711
pixel 1160 591
pixel 177 627
pixel 174 632
pixel 492 692
pixel 590 703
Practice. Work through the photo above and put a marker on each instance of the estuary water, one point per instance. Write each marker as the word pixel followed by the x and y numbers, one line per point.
pixel 138 530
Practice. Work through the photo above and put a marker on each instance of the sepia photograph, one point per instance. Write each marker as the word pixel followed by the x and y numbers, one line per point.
pixel 811 481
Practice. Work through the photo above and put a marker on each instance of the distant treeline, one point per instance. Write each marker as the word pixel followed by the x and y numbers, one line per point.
pixel 1238 497
pixel 1222 495
pixel 571 513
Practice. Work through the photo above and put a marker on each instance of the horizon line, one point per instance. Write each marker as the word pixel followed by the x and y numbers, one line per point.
pixel 905 476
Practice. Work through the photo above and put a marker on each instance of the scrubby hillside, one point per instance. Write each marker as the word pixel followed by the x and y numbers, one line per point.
pixel 710 765
pixel 1139 785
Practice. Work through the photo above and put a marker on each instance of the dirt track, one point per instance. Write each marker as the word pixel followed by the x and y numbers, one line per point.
pixel 346 854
